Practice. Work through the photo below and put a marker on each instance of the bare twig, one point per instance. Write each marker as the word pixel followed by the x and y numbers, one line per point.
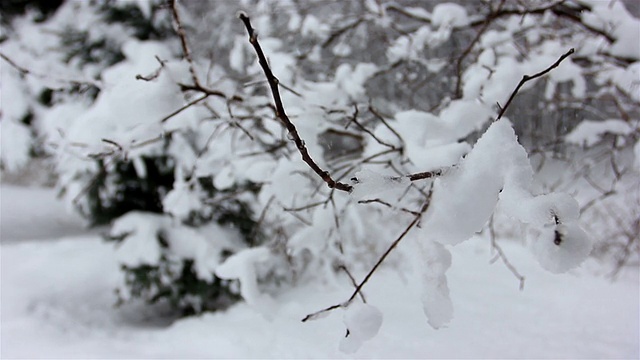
pixel 336 34
pixel 111 142
pixel 281 114
pixel 186 51
pixel 298 217
pixel 289 89
pixel 518 11
pixel 307 207
pixel 467 51
pixel 364 281
pixel 385 123
pixel 350 169
pixel 526 78
pixel 559 9
pixel 382 202
pixel 502 256
pixel 354 119
pixel 596 200
pixel 353 280
pixel 425 175
pixel 22 70
pixel 507 263
pixel 155 74
pixel 417 176
pixel 185 107
pixel 412 15
pixel 183 41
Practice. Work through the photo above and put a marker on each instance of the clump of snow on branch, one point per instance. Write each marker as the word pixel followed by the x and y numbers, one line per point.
pixel 589 132
pixel 313 27
pixel 244 266
pixel 363 322
pixel 495 172
pixel 449 14
pixel 497 169
pixel 368 183
pixel 614 18
pixel 560 248
pixel 183 200
pixel 411 46
pixel 433 142
pixel 352 80
pixel 145 233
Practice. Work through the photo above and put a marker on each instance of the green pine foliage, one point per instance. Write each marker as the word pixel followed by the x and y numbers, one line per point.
pixel 177 285
pixel 119 190
pixel 170 281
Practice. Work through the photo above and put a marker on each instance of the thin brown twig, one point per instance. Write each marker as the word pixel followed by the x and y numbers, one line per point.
pixel 186 51
pixel 353 280
pixel 153 75
pixel 503 256
pixel 425 175
pixel 518 11
pixel 185 107
pixel 385 123
pixel 22 70
pixel 467 51
pixel 598 199
pixel 351 168
pixel 281 114
pixel 508 264
pixel 183 41
pixel 306 207
pixel 354 119
pixel 382 202
pixel 111 142
pixel 289 89
pixel 364 281
pixel 526 78
pixel 234 123
pixel 299 218
pixel 202 89
pixel 412 15
pixel 557 8
pixel 341 31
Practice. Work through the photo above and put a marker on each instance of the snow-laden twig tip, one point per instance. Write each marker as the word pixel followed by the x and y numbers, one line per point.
pixel 526 78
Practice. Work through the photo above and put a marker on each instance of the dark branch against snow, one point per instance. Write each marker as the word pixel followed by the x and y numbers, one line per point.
pixel 526 78
pixel 282 115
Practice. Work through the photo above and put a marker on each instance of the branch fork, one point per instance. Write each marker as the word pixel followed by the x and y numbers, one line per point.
pixel 333 184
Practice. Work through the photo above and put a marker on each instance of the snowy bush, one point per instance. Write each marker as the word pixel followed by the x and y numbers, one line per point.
pixel 359 125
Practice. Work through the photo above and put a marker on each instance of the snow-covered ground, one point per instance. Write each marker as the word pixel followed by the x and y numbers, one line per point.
pixel 57 302
pixel 34 214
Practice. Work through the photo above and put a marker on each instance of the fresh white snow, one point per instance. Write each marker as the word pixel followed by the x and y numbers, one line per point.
pixel 57 302
pixel 21 207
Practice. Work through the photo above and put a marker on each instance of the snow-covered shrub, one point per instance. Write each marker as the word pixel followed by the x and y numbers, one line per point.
pixel 83 124
pixel 362 124
pixel 167 262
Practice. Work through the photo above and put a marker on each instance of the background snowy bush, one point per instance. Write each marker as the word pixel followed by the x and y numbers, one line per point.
pixel 175 142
